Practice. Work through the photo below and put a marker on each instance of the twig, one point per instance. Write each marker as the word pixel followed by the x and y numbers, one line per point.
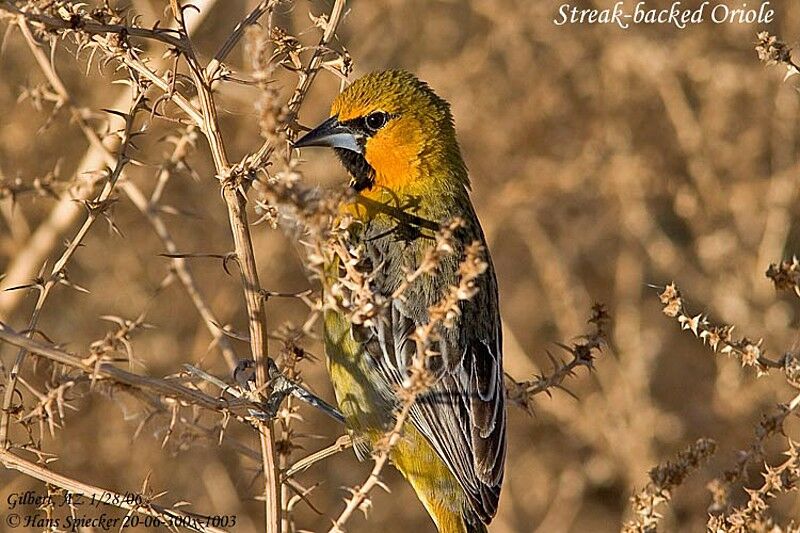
pixel 257 12
pixel 770 425
pixel 360 495
pixel 718 337
pixel 342 443
pixel 256 310
pixel 182 270
pixel 583 354
pixel 90 26
pixel 256 160
pixel 58 273
pixel 663 480
pixel 308 75
pixel 102 369
pixel 180 265
pixel 28 261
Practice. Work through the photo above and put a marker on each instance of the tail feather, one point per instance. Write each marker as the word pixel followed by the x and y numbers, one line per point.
pixel 473 524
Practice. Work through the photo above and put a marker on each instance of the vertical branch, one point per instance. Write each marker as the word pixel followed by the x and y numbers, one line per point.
pixel 257 318
pixel 307 76
pixel 243 245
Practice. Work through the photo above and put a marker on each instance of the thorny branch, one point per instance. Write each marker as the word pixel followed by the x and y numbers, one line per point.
pixel 785 275
pixel 46 237
pixel 306 79
pixel 582 354
pixel 754 515
pixel 58 275
pixel 719 338
pixel 148 207
pixel 99 369
pixel 770 425
pixel 256 309
pixel 725 518
pixel 663 479
pixel 75 20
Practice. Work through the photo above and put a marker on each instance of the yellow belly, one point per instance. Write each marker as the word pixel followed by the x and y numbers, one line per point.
pixel 435 485
pixel 368 415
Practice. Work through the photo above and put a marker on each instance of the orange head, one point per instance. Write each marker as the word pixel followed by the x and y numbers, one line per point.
pixel 391 131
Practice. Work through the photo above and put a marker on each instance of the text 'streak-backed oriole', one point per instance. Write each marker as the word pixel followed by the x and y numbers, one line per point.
pixel 397 140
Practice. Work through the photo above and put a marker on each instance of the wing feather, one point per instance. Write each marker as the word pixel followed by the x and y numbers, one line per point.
pixel 463 414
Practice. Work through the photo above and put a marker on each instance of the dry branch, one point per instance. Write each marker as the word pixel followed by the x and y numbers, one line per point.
pixel 98 369
pixel 663 480
pixel 96 208
pixel 44 240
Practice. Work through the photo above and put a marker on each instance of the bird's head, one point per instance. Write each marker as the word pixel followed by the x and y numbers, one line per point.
pixel 392 132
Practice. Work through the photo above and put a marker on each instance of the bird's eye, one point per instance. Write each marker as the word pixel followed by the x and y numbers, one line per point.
pixel 376 120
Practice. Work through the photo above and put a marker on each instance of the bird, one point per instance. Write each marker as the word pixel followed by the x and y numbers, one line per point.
pixel 396 138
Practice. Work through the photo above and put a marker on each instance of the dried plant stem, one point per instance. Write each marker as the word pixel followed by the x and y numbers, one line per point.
pixel 307 76
pixel 664 479
pixel 770 425
pixel 58 273
pixel 360 494
pixel 342 443
pixel 243 246
pixel 29 260
pixel 182 271
pixel 164 85
pixel 718 337
pixel 179 265
pixel 100 369
pixel 258 343
pixel 582 354
pixel 168 515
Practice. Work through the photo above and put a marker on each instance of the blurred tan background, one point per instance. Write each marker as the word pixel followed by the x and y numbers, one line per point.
pixel 602 160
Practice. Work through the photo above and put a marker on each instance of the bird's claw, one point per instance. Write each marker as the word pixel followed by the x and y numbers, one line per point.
pixel 281 387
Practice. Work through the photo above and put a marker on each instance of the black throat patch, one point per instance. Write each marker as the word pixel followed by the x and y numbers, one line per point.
pixel 361 171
